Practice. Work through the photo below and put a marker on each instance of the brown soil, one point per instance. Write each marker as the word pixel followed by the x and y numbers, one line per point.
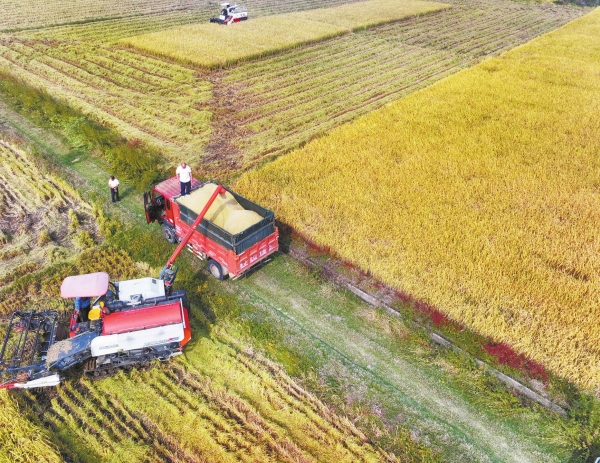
pixel 222 155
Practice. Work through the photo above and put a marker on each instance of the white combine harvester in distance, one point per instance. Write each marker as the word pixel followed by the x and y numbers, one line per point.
pixel 230 14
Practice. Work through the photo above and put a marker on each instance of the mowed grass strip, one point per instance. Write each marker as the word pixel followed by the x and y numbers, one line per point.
pixel 478 195
pixel 211 45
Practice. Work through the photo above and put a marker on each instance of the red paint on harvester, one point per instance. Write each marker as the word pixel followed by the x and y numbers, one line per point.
pixel 140 319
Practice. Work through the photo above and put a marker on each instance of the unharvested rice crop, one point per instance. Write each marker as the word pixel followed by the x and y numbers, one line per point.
pixel 478 195
pixel 209 45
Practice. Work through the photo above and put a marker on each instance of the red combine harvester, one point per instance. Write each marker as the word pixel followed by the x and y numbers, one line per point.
pixel 230 14
pixel 227 254
pixel 129 324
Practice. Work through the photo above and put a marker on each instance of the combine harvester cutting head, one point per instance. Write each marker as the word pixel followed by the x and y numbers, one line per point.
pixel 131 324
pixel 230 14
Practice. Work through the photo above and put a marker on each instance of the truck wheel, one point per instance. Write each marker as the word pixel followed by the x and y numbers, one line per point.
pixel 215 269
pixel 169 233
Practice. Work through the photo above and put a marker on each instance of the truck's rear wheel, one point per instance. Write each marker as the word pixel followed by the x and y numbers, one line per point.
pixel 215 269
pixel 169 233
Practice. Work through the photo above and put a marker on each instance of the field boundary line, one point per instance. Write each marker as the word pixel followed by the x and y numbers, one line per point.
pixel 437 338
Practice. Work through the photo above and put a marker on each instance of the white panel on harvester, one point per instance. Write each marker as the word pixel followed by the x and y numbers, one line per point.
pixel 146 287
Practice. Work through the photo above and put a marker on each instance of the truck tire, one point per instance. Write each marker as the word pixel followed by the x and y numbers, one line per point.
pixel 215 269
pixel 169 233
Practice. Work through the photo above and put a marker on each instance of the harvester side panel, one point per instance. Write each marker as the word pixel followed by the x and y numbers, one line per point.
pixel 144 318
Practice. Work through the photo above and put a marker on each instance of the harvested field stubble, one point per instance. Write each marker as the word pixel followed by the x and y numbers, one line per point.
pixel 478 195
pixel 36 212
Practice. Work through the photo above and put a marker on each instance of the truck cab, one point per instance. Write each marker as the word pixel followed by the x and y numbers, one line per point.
pixel 158 201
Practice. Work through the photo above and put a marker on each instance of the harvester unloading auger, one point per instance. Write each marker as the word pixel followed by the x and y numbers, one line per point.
pixel 130 324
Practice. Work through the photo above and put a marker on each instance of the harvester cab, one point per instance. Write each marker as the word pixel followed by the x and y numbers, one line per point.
pixel 230 14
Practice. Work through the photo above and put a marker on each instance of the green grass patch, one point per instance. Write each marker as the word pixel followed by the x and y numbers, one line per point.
pixel 212 46
pixel 129 159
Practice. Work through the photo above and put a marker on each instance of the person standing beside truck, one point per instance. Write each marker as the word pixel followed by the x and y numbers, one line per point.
pixel 113 184
pixel 184 174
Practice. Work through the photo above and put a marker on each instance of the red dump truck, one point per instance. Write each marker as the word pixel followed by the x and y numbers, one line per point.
pixel 228 253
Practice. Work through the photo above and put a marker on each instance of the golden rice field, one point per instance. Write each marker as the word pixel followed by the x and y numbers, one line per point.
pixel 479 195
pixel 209 45
pixel 41 216
pixel 22 440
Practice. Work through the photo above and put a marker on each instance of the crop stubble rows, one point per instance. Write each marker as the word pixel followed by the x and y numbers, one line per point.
pixel 283 102
pixel 260 110
pixel 252 412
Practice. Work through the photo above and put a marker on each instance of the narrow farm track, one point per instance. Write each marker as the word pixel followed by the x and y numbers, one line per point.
pixel 283 101
pixel 465 431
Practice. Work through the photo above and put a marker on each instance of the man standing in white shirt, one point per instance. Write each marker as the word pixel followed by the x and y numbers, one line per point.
pixel 184 174
pixel 113 184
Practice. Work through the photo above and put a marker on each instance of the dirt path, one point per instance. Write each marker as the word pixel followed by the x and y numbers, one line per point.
pixel 398 376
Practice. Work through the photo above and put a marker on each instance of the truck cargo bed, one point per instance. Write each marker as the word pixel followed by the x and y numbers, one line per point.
pixel 240 242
